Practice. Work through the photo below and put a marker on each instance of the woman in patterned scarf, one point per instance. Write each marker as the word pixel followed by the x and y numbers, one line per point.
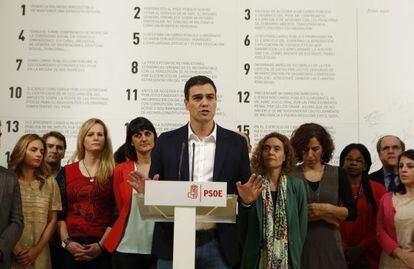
pixel 273 227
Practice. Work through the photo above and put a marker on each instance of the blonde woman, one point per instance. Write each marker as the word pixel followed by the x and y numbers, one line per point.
pixel 40 202
pixel 88 199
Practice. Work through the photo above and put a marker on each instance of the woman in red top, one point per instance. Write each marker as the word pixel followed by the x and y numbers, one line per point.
pixel 87 199
pixel 358 237
pixel 130 239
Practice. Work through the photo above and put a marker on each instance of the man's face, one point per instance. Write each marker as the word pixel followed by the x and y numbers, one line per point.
pixel 201 103
pixel 389 151
pixel 55 150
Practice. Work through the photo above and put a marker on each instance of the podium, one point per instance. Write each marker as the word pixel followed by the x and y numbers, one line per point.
pixel 184 203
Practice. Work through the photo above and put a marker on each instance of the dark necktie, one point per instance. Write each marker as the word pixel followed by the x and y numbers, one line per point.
pixel 392 187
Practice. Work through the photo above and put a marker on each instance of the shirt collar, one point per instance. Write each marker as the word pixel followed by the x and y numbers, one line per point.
pixel 211 137
pixel 386 173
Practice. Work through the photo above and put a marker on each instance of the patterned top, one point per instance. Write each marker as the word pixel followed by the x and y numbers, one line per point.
pixel 36 205
pixel 88 207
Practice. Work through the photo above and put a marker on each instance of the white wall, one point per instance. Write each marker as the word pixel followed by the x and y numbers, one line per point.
pixel 344 64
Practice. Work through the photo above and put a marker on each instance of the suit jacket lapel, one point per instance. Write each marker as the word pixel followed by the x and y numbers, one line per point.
pixel 220 154
pixel 183 138
pixel 2 185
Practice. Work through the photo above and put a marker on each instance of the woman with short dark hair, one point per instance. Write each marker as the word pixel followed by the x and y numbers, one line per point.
pixel 329 194
pixel 130 239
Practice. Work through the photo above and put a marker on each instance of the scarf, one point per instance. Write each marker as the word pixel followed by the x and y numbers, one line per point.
pixel 275 232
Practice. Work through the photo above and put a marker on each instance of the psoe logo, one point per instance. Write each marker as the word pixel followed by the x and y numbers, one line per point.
pixel 193 193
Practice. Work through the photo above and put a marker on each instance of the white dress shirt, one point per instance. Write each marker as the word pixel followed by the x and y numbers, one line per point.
pixel 204 153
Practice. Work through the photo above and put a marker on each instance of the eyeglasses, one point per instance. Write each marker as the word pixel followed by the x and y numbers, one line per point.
pixel 391 148
pixel 358 161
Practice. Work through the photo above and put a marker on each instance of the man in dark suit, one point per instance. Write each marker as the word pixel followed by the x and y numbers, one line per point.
pixel 219 155
pixel 11 216
pixel 389 147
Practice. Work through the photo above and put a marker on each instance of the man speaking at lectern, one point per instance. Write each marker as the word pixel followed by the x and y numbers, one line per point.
pixel 219 155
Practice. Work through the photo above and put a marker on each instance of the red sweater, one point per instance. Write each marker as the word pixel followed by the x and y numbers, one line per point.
pixel 386 234
pixel 123 196
pixel 88 206
pixel 362 230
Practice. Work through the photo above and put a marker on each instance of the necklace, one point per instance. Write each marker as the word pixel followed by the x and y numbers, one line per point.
pixel 91 179
pixel 309 190
pixel 359 193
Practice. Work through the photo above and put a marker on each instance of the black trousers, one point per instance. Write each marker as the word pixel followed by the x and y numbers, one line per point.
pixel 137 261
pixel 103 261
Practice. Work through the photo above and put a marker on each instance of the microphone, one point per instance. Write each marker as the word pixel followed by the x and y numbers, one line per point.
pixel 180 163
pixel 192 163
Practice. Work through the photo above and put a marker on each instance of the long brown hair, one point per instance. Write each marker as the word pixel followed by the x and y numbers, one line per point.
pixel 19 153
pixel 410 155
pixel 107 163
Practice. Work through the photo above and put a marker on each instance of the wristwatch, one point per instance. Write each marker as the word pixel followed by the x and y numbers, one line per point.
pixel 65 242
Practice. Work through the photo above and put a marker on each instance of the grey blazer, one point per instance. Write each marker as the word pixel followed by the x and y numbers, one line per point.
pixel 11 216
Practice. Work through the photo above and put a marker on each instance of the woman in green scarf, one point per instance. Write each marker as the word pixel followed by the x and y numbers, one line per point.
pixel 273 226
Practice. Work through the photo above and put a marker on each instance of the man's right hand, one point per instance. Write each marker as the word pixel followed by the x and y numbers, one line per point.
pixel 137 181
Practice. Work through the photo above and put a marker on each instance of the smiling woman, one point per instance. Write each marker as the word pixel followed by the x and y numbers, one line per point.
pixel 40 200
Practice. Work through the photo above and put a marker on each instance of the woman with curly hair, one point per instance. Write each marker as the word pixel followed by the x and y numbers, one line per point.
pixel 40 202
pixel 330 199
pixel 88 199
pixel 273 228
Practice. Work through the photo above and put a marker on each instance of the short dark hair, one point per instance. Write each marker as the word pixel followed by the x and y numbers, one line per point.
pixel 196 81
pixel 402 144
pixel 57 135
pixel 410 155
pixel 135 126
pixel 303 134
pixel 288 165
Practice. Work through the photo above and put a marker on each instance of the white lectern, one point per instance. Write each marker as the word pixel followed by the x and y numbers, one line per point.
pixel 184 203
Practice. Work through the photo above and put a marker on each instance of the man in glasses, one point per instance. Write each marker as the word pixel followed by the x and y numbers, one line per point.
pixel 389 147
